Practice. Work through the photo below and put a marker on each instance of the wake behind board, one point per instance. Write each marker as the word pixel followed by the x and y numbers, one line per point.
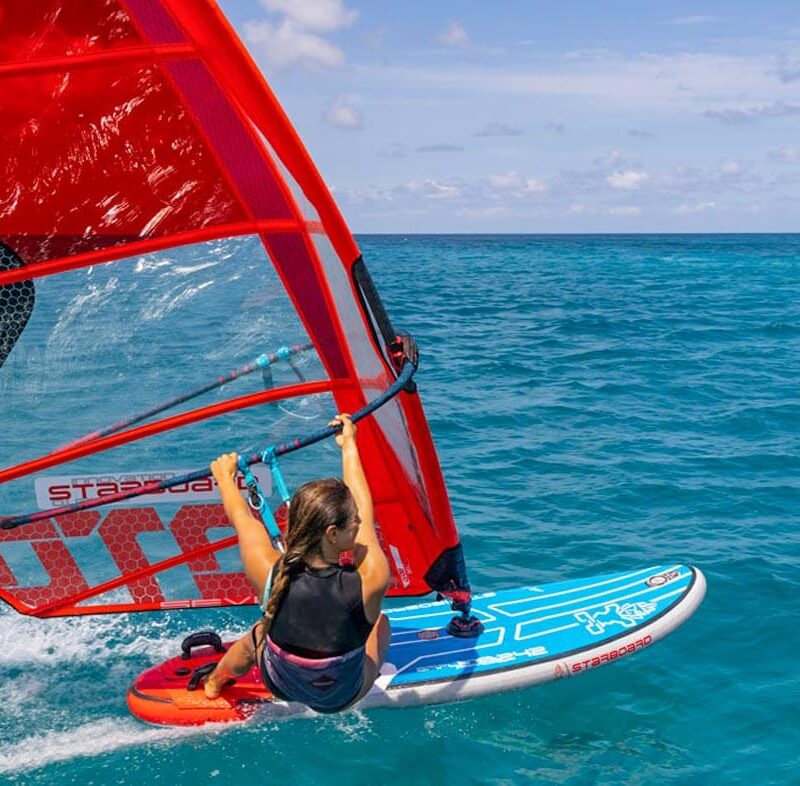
pixel 531 635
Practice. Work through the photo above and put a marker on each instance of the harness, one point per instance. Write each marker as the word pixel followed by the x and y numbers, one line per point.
pixel 324 684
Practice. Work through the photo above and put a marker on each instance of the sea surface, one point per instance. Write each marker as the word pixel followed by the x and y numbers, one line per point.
pixel 598 403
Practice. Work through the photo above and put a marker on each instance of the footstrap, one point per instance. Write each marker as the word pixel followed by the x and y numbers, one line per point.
pixel 199 675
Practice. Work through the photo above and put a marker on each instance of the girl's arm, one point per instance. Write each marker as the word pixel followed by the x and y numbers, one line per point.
pixel 374 568
pixel 256 550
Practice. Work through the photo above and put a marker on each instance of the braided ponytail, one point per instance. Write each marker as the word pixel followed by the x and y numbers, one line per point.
pixel 314 507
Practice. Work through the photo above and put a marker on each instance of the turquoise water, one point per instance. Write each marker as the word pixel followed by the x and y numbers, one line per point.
pixel 597 403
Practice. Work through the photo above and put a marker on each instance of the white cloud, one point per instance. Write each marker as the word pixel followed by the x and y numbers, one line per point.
pixel 580 209
pixel 495 211
pixel 499 129
pixel 663 82
pixel 342 114
pixel 440 147
pixel 730 167
pixel 293 39
pixel 454 35
pixel 319 16
pixel 609 158
pixel 726 177
pixel 556 128
pixel 535 186
pixel 284 46
pixel 515 183
pixel 695 19
pixel 699 207
pixel 509 181
pixel 736 117
pixel 788 69
pixel 639 199
pixel 429 188
pixel 394 150
pixel 786 154
pixel 495 195
pixel 628 180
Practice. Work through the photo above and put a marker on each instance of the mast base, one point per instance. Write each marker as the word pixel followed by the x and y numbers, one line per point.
pixel 465 627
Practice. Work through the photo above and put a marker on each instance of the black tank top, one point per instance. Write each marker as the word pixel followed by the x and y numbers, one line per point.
pixel 321 613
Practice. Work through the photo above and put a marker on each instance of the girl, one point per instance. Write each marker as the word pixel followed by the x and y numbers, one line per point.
pixel 322 638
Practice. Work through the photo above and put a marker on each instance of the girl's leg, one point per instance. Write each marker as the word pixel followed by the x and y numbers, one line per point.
pixel 236 662
pixel 377 645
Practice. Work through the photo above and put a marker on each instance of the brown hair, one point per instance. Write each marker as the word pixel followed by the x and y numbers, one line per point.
pixel 314 507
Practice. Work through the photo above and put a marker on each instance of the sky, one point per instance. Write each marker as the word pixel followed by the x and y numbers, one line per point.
pixel 540 116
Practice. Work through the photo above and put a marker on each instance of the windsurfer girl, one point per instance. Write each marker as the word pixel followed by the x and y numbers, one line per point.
pixel 322 638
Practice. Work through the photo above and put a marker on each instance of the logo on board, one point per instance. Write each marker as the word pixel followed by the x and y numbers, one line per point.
pixel 626 615
pixel 660 579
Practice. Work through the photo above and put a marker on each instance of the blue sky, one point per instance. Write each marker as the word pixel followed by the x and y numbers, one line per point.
pixel 542 116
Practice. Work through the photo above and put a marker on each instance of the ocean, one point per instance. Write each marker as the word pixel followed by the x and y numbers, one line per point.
pixel 598 403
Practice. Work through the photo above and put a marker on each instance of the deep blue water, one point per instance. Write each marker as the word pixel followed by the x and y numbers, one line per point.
pixel 598 403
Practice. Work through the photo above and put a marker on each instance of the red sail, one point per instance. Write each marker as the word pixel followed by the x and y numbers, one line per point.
pixel 135 131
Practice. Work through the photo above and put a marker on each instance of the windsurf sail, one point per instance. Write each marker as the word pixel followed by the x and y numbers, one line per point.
pixel 167 214
pixel 16 303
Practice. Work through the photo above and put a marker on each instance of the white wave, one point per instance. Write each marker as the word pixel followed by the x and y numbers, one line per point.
pixel 159 307
pixel 150 263
pixel 19 696
pixel 185 270
pixel 252 334
pixel 87 302
pixel 354 725
pixel 115 646
pixel 29 641
pixel 90 739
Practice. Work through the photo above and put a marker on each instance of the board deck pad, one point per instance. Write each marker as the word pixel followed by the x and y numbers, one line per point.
pixel 531 635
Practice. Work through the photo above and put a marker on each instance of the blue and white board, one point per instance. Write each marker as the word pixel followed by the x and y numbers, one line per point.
pixel 531 635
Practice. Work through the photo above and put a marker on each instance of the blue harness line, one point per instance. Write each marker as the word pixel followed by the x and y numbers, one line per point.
pixel 268 457
pixel 257 500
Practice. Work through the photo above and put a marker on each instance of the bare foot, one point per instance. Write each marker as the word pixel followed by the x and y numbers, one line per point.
pixel 213 685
